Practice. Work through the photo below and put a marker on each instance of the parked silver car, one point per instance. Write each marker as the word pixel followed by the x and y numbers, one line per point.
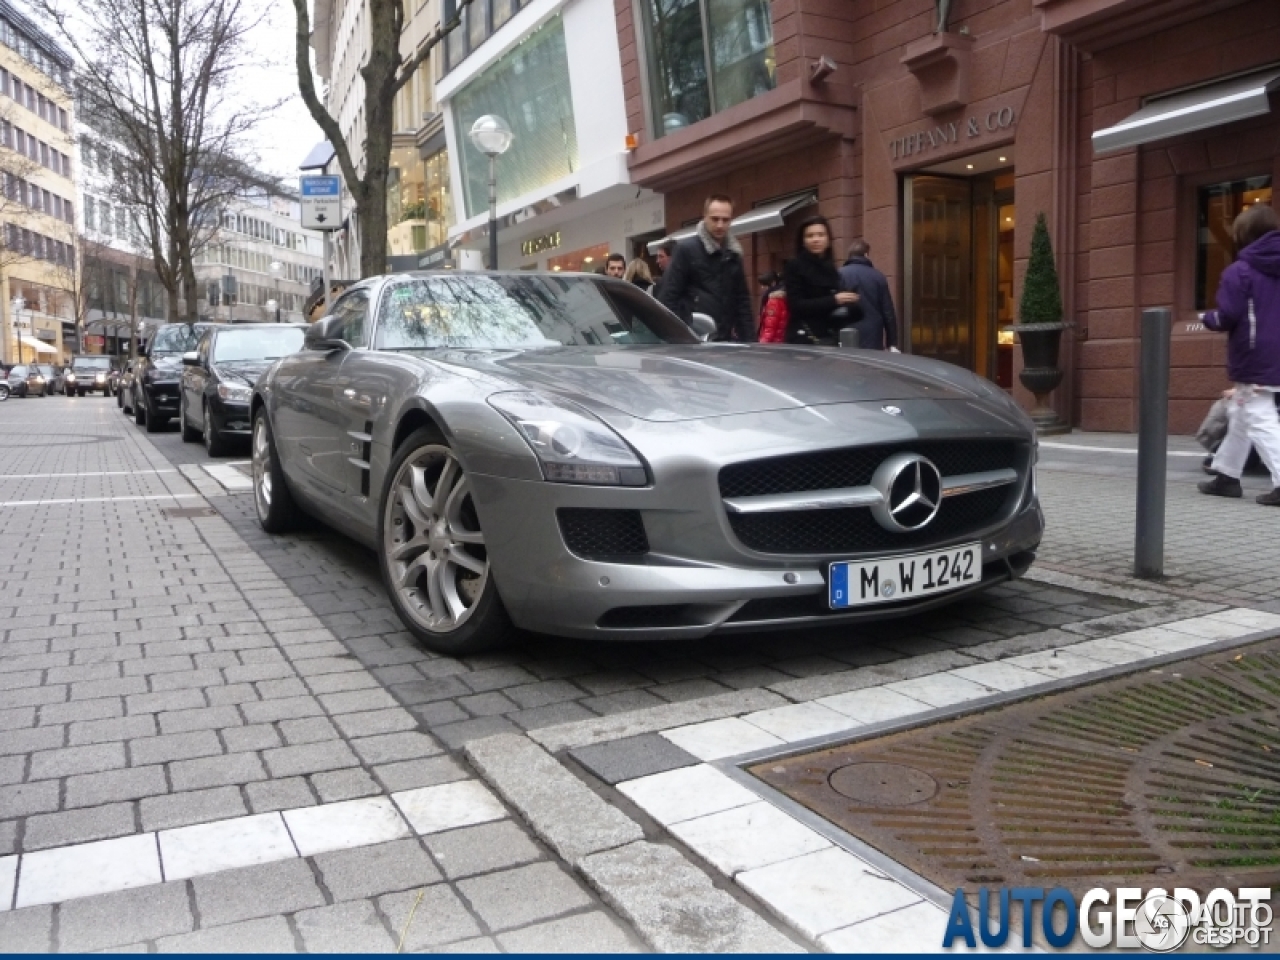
pixel 560 453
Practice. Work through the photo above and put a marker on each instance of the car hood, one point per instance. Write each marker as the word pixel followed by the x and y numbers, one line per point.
pixel 674 383
pixel 169 364
pixel 244 372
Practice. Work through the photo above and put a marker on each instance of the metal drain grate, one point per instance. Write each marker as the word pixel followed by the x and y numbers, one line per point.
pixel 186 513
pixel 1174 771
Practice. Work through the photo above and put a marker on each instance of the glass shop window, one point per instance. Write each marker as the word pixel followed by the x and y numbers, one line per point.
pixel 1217 206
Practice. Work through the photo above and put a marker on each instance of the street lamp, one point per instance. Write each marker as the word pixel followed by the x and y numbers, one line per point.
pixel 492 137
pixel 16 306
pixel 276 269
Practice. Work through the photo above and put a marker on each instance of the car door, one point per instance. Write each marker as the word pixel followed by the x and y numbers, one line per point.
pixel 193 382
pixel 307 418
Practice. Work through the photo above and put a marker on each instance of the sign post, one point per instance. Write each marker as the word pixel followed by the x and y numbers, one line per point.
pixel 322 210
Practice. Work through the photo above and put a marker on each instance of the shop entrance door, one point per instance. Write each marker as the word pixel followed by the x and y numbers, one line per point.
pixel 939 247
pixel 958 285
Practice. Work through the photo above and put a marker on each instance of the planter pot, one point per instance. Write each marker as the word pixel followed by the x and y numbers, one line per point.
pixel 1041 374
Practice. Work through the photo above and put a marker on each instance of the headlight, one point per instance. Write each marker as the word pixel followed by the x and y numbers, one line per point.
pixel 234 392
pixel 70 376
pixel 100 377
pixel 39 379
pixel 571 444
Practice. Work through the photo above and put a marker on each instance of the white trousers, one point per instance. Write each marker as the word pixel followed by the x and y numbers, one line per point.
pixel 1253 422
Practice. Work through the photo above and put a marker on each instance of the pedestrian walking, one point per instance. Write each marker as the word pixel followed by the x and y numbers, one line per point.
pixel 663 259
pixel 615 265
pixel 638 273
pixel 813 289
pixel 1249 313
pixel 706 276
pixel 878 328
pixel 769 281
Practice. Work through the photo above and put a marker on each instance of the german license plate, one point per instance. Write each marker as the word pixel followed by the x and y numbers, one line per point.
pixel 904 578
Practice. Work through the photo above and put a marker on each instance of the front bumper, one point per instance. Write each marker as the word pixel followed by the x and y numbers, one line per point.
pixel 230 417
pixel 548 589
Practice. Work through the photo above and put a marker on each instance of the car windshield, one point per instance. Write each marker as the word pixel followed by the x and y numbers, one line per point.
pixel 257 343
pixel 91 363
pixel 485 312
pixel 175 338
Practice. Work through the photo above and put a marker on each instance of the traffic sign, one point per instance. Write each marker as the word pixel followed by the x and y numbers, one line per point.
pixel 321 202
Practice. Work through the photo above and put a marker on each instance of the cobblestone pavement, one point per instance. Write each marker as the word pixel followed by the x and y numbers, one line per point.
pixel 162 673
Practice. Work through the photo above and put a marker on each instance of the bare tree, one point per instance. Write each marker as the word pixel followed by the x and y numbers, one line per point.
pixel 156 76
pixel 384 73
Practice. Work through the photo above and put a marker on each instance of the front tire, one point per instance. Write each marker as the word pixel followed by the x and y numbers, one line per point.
pixel 277 511
pixel 139 410
pixel 154 424
pixel 4 392
pixel 189 433
pixel 432 551
pixel 214 444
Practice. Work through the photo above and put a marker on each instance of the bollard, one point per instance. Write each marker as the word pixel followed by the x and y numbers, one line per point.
pixel 1153 444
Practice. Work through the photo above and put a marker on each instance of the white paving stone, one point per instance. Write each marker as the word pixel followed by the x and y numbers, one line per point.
pixel 8 880
pixel 714 739
pixel 229 476
pixel 1058 663
pixel 1253 619
pixel 339 826
pixel 224 845
pixel 999 675
pixel 460 804
pixel 745 838
pixel 1209 627
pixel 874 704
pixel 686 793
pixel 940 689
pixel 1165 640
pixel 800 721
pixel 915 929
pixel 825 891
pixel 1112 650
pixel 87 869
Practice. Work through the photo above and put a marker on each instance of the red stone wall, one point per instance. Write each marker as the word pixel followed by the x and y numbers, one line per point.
pixel 1139 207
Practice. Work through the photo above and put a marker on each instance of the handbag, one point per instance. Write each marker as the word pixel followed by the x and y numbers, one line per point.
pixel 1214 428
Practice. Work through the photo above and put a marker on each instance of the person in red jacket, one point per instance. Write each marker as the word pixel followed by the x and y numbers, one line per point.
pixel 774 318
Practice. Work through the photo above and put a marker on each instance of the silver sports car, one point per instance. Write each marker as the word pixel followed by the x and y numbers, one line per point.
pixel 562 454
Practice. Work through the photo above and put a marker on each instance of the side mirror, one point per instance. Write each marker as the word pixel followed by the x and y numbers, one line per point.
pixel 325 334
pixel 191 359
pixel 702 326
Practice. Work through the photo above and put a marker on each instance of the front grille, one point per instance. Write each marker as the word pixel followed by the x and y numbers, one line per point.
pixel 855 530
pixel 854 466
pixel 603 534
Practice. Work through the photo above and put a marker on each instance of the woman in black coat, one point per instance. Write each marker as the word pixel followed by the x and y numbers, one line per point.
pixel 813 286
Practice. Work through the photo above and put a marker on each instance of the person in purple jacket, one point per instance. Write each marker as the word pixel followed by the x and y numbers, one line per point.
pixel 1249 313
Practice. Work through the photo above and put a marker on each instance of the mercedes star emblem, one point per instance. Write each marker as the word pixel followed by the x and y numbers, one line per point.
pixel 892 411
pixel 910 488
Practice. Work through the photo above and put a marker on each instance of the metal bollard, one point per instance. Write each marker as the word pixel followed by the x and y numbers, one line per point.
pixel 1153 444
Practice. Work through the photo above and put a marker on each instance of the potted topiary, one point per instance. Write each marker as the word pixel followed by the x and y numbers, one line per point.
pixel 1040 329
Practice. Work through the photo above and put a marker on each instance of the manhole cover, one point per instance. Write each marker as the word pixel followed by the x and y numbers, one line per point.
pixel 883 784
pixel 181 513
pixel 1172 773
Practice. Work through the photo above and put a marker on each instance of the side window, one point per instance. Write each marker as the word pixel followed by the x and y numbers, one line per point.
pixel 204 346
pixel 354 311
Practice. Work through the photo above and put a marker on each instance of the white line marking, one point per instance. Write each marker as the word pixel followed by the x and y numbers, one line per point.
pixel 99 473
pixel 1075 446
pixel 158 496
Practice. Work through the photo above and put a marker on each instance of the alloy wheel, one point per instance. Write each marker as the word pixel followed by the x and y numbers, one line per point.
pixel 434 548
pixel 261 466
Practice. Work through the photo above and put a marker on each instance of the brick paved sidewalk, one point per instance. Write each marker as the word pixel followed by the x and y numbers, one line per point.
pixel 187 699
pixel 165 697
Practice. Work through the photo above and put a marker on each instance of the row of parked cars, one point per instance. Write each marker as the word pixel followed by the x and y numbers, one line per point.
pixel 89 373
pixel 202 375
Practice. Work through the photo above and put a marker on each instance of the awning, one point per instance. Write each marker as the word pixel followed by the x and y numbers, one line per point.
pixel 764 217
pixel 1198 109
pixel 39 346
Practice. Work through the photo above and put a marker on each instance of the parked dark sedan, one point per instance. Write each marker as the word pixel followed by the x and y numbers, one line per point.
pixel 561 453
pixel 218 379
pixel 28 380
pixel 87 374
pixel 157 374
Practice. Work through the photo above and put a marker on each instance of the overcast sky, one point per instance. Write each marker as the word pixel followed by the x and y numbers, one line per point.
pixel 283 141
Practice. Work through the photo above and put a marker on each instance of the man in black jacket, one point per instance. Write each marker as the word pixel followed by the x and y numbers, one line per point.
pixel 706 275
pixel 878 327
